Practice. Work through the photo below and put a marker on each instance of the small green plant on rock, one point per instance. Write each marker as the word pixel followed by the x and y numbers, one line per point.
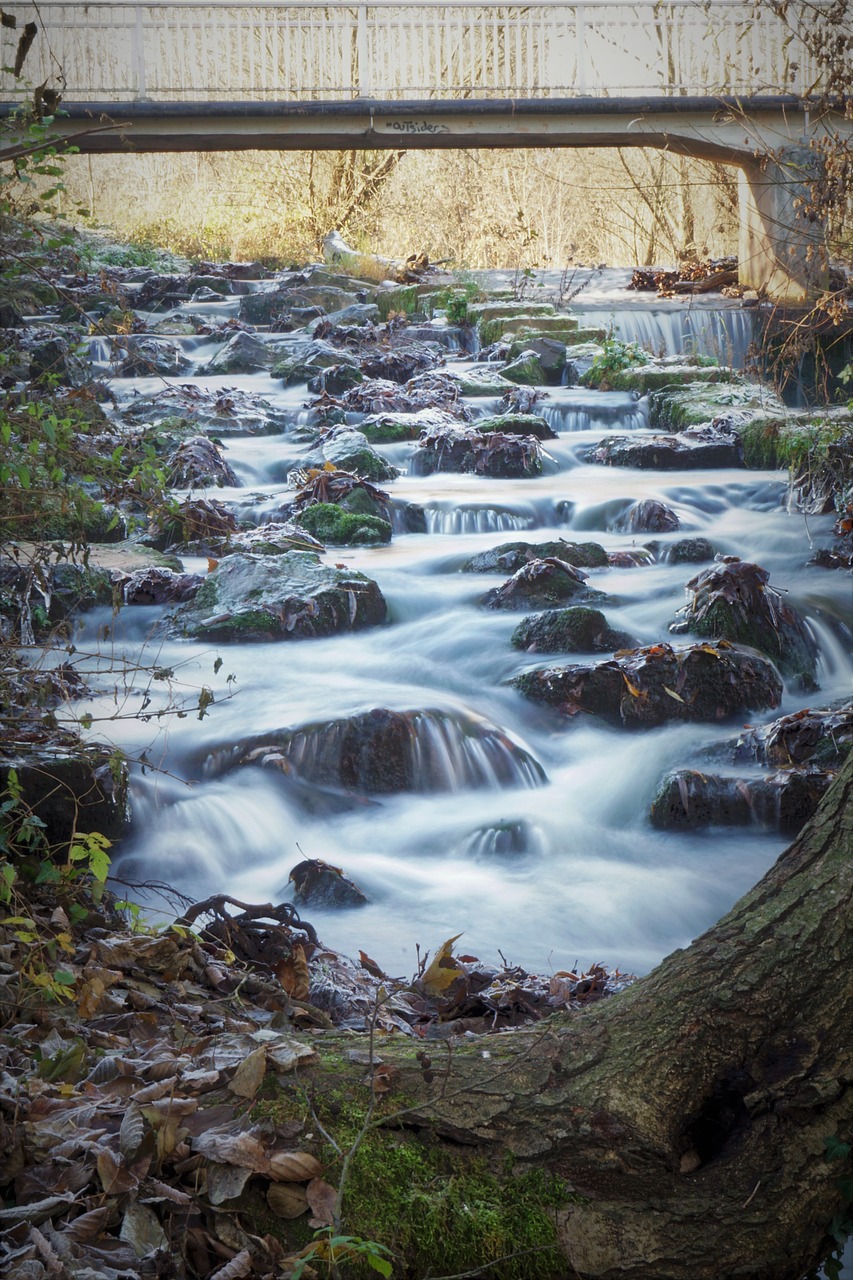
pixel 616 357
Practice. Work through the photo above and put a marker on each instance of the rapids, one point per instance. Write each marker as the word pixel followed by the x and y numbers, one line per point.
pixel 550 862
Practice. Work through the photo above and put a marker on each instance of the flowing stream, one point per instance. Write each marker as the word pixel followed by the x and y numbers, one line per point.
pixel 548 856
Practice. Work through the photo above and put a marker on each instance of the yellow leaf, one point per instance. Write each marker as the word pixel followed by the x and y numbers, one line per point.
pixel 673 694
pixel 632 688
pixel 444 970
pixel 65 942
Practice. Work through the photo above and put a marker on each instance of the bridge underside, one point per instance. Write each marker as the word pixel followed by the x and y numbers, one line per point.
pixel 720 129
pixel 780 252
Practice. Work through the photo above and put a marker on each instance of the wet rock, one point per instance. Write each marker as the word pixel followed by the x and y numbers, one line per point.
pixel 159 586
pixel 690 551
pixel 647 377
pixel 226 412
pixel 517 424
pixel 697 403
pixel 201 524
pixel 510 556
pixel 480 381
pixel 541 584
pixel 274 539
pixel 393 428
pixel 575 630
pixel 36 600
pixel 307 361
pixel 338 528
pixel 343 489
pixel 465 449
pixel 506 839
pixel 403 363
pixel 658 683
pixel 526 369
pixel 317 884
pixel 335 380
pixel 287 597
pixel 73 791
pixel 349 450
pixel 648 516
pixel 354 314
pixel 145 357
pixel 734 600
pixel 244 353
pixel 522 400
pixel 382 752
pixel 198 464
pixel 821 738
pixel 783 802
pixel 697 447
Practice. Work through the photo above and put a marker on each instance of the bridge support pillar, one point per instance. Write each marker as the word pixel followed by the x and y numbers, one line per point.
pixel 781 252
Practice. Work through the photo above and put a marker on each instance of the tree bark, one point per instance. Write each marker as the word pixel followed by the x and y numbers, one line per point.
pixel 688 1114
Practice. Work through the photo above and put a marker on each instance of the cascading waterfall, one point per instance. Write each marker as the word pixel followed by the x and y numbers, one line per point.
pixel 478 811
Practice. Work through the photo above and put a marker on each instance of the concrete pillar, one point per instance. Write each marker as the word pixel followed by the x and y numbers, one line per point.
pixel 780 252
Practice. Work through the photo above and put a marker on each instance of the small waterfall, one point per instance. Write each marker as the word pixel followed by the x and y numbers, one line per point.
pixel 505 839
pixel 461 520
pixel 566 418
pixel 382 752
pixel 723 332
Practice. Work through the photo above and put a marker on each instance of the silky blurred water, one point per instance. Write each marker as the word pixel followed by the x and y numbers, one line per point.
pixel 570 870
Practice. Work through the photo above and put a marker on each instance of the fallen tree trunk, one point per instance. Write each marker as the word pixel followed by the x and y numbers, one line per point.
pixel 687 1116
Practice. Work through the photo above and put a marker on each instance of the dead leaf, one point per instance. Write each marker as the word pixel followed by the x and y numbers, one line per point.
pixel 322 1199
pixel 131 1133
pixel 249 1076
pixel 141 1229
pixel 293 1166
pixel 89 1225
pixel 116 1178
pixel 293 974
pixel 370 965
pixel 225 1182
pixel 287 1199
pixel 673 694
pixel 239 1266
pixel 444 969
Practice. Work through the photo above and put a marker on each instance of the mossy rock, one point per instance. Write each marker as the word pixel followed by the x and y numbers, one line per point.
pixel 290 597
pixel 335 527
pixel 389 429
pixel 526 371
pixel 646 378
pixel 403 300
pixel 575 630
pixel 690 551
pixel 695 403
pixel 735 602
pixel 541 584
pixel 511 556
pixel 350 451
pixel 518 424
pixel 480 380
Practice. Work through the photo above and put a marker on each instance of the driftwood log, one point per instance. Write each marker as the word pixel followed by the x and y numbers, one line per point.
pixel 689 1114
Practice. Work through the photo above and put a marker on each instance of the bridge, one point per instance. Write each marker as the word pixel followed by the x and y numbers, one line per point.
pixel 706 79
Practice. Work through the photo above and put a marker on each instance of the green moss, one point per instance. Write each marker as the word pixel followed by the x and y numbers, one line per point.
pixel 440 1208
pixel 331 524
pixel 386 431
pixel 403 300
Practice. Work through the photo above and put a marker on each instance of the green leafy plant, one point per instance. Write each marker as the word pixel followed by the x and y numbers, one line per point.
pixel 615 357
pixel 328 1249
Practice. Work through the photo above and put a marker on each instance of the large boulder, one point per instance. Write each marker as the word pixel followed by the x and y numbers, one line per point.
pixel 157 585
pixel 348 450
pixel 71 788
pixel 392 428
pixel 511 556
pixel 136 357
pixel 648 516
pixel 287 597
pixel 575 630
pixel 197 463
pixel 687 799
pixel 465 449
pixel 820 738
pixel 339 528
pixel 402 363
pixel 656 684
pixel 244 353
pixel 541 584
pixel 227 412
pixel 382 752
pixel 715 445
pixel 733 600
pixel 517 424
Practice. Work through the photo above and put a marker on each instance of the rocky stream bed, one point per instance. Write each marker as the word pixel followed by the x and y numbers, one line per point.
pixel 504 628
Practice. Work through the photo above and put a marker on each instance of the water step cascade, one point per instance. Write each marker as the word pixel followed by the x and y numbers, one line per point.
pixel 401 752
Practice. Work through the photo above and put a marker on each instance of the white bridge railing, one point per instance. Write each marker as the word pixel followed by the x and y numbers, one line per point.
pixel 299 50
